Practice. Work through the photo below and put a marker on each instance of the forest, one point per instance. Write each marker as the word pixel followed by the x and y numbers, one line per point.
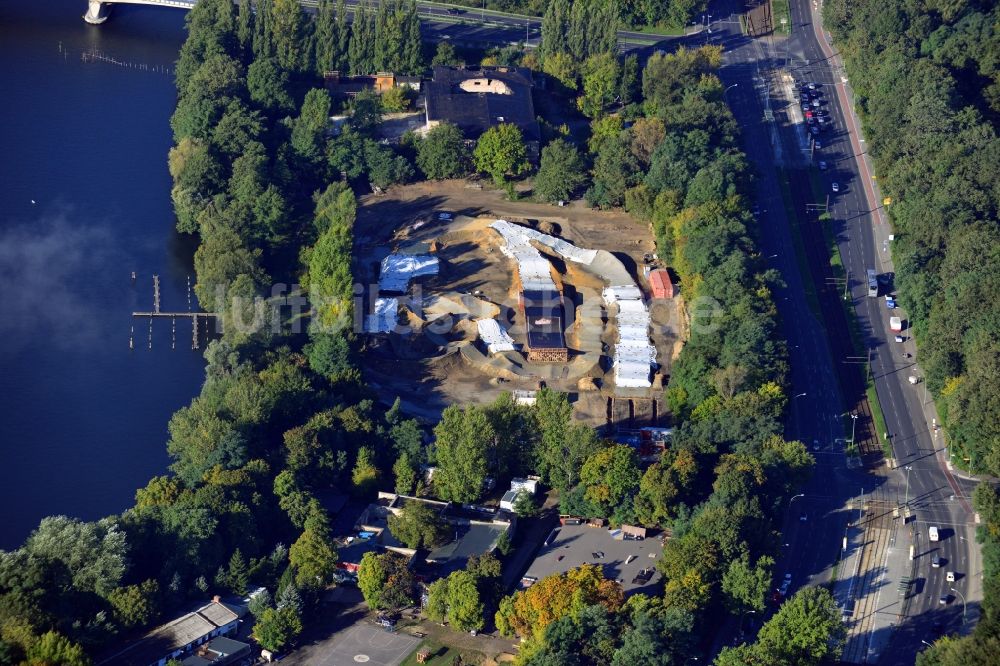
pixel 928 84
pixel 284 418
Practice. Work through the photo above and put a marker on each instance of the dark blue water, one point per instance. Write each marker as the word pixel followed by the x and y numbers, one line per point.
pixel 83 420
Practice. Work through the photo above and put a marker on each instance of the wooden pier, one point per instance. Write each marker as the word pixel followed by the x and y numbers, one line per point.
pixel 157 312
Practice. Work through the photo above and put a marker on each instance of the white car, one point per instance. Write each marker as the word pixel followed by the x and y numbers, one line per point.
pixel 836 187
pixel 822 165
pixel 898 338
pixel 950 576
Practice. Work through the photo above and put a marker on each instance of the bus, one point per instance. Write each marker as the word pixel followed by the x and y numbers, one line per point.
pixel 872 283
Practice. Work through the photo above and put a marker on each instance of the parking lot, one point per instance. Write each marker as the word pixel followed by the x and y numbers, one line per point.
pixel 348 637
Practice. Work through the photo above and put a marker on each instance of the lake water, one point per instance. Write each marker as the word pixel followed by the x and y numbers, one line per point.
pixel 83 420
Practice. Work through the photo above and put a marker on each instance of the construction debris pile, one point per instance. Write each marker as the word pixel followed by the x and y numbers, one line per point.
pixel 399 269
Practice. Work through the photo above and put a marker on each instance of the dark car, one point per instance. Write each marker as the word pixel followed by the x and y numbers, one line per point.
pixel 455 11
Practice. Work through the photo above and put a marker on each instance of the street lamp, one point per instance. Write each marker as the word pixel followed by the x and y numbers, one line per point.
pixel 727 90
pixel 742 617
pixel 854 424
pixel 963 604
pixel 926 643
pixel 906 502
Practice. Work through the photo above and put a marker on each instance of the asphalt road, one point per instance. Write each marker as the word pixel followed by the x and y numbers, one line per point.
pixel 936 496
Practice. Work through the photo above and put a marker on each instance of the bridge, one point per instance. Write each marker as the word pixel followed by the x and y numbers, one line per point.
pixel 442 22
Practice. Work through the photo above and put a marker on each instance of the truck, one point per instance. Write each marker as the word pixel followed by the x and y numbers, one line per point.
pixel 932 533
pixel 895 324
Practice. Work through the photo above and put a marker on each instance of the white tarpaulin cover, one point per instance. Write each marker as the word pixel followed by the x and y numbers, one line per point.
pixel 383 317
pixel 399 269
pixel 494 336
pixel 634 356
pixel 557 245
pixel 532 268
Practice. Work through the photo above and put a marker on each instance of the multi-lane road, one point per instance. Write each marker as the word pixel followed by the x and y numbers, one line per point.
pixel 752 70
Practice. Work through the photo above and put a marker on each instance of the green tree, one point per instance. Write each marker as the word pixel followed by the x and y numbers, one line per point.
pixel 563 447
pixel 500 152
pixel 465 608
pixel 405 474
pixel 289 34
pixel 437 601
pixel 746 586
pixel 329 355
pixel 806 630
pixel 560 173
pixel 365 475
pixel 614 172
pixel 444 55
pixel 554 26
pixel 600 84
pixel 385 581
pixel 267 85
pixel 443 153
pixel 136 605
pixel 611 476
pixel 562 68
pixel 54 648
pixel 309 129
pixel 464 437
pixel 93 555
pixel 313 554
pixel 418 525
pixel 276 628
pixel 361 51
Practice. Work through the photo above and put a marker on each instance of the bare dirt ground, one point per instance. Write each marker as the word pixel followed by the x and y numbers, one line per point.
pixel 428 377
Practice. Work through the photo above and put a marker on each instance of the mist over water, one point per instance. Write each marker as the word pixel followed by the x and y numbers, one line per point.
pixel 84 201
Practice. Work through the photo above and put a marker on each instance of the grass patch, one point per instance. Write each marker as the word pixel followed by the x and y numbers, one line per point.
pixel 662 30
pixel 879 418
pixel 780 11
pixel 443 655
pixel 800 251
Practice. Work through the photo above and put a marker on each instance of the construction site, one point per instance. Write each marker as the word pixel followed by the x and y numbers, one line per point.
pixel 464 302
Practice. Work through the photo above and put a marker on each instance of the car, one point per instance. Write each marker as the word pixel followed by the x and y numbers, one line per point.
pixel 804 97
pixel 803 518
pixel 950 576
pixel 814 129
pixel 809 114
pixel 788 577
pixel 891 304
pixel 756 211
pixel 899 338
pixel 816 103
pixel 835 186
pixel 815 445
pixel 944 600
pixel 817 144
pixel 455 11
pixel 810 121
pixel 806 107
pixel 815 94
pixel 936 562
pixel 822 165
pixel 445 216
pixel 812 86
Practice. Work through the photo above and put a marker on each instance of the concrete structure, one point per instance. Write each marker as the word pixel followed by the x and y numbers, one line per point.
pixel 176 638
pixel 630 561
pixel 543 316
pixel 477 99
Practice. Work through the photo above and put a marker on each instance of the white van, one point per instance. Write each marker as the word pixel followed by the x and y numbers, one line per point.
pixel 932 532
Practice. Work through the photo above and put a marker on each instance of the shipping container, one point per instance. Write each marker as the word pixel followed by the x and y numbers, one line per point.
pixel 660 284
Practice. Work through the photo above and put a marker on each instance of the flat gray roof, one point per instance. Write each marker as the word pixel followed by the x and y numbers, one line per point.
pixel 469 539
pixel 580 544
